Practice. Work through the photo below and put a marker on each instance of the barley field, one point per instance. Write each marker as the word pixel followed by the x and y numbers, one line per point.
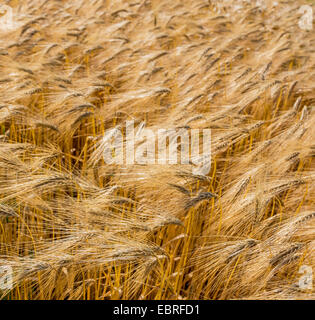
pixel 74 227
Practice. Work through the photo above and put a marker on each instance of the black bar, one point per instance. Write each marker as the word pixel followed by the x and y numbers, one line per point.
pixel 191 309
